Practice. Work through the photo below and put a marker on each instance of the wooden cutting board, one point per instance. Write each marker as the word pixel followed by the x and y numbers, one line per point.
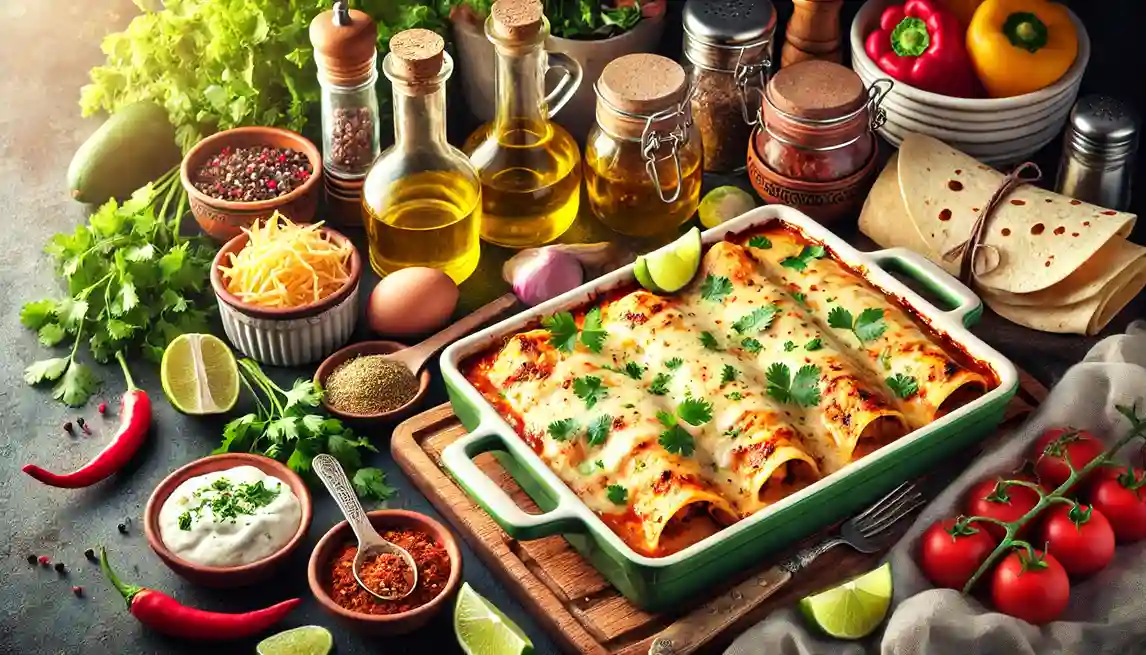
pixel 571 600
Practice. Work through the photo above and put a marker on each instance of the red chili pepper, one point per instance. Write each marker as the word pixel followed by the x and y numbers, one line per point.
pixel 135 419
pixel 921 43
pixel 163 613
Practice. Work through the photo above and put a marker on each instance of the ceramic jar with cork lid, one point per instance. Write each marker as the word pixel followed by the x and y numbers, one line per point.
pixel 728 48
pixel 643 158
pixel 815 148
pixel 346 54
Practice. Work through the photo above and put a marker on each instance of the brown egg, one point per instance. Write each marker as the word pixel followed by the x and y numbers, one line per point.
pixel 412 302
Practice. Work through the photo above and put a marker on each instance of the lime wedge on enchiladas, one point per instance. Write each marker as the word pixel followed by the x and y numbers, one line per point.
pixel 482 629
pixel 854 609
pixel 672 267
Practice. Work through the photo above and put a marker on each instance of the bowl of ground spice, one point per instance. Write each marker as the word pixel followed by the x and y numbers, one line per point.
pixel 237 177
pixel 435 552
pixel 361 386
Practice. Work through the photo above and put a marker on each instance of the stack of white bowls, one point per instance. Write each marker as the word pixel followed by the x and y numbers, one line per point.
pixel 996 131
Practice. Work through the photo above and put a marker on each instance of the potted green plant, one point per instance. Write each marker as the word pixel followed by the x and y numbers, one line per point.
pixel 593 32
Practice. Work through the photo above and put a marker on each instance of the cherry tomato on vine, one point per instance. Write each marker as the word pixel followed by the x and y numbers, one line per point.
pixel 1059 444
pixel 1030 586
pixel 1080 538
pixel 1121 497
pixel 997 500
pixel 951 551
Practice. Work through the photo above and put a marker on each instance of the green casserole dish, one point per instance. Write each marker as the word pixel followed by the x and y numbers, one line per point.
pixel 663 583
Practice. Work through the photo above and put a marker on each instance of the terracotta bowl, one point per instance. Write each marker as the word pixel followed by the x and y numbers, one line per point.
pixel 288 337
pixel 231 576
pixel 827 202
pixel 370 348
pixel 224 219
pixel 392 624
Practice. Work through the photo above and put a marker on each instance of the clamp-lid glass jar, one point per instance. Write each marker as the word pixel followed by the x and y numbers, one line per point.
pixel 643 157
pixel 728 47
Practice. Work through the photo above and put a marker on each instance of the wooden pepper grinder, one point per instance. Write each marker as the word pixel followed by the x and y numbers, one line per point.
pixel 813 32
pixel 345 51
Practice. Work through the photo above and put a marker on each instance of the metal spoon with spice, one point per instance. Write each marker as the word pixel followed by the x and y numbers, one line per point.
pixel 375 554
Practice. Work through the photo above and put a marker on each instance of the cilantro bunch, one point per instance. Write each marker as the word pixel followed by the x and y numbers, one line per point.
pixel 133 285
pixel 218 64
pixel 286 427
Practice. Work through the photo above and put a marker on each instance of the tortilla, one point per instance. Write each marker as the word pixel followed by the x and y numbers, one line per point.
pixel 1112 267
pixel 1087 317
pixel 1041 237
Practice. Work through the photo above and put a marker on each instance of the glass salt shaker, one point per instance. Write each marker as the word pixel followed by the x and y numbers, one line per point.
pixel 728 47
pixel 345 51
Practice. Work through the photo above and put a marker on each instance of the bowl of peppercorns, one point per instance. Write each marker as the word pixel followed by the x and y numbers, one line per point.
pixel 237 177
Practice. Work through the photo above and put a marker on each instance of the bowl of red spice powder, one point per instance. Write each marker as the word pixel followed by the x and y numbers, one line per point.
pixel 435 552
pixel 242 175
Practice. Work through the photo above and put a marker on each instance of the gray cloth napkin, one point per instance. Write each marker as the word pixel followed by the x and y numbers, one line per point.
pixel 1107 612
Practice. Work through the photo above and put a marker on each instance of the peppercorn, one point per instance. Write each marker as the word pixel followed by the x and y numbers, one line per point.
pixel 122 528
pixel 252 174
pixel 90 554
pixel 83 425
pixel 68 427
pixel 45 560
pixel 60 568
pixel 78 591
pixel 31 559
pixel 102 408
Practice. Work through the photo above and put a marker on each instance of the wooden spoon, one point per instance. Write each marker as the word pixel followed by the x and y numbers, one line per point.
pixel 415 357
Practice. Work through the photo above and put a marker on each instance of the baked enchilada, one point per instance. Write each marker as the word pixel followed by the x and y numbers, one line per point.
pixel 671 416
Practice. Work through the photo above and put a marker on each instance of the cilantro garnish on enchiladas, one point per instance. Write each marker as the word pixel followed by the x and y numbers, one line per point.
pixel 673 416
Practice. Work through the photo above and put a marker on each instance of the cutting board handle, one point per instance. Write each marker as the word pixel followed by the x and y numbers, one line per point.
pixel 458 460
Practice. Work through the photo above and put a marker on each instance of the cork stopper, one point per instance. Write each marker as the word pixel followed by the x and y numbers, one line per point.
pixel 417 54
pixel 817 90
pixel 642 83
pixel 517 21
pixel 344 45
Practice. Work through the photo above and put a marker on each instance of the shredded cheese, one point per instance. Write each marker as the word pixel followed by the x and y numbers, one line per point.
pixel 284 265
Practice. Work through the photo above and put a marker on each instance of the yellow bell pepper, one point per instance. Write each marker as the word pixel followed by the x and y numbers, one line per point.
pixel 1020 46
pixel 963 9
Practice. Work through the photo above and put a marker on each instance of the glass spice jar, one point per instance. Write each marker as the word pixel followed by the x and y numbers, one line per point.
pixel 346 55
pixel 643 157
pixel 819 121
pixel 728 47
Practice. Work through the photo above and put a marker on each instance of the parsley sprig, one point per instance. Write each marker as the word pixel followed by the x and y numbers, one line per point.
pixel 761 242
pixel 803 389
pixel 631 369
pixel 617 494
pixel 904 386
pixel 599 430
pixel 807 254
pixel 287 427
pixel 868 326
pixel 564 429
pixel 715 288
pixel 757 320
pixel 563 331
pixel 675 438
pixel 589 389
pixel 133 285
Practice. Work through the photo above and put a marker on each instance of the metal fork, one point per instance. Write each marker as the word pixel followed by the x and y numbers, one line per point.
pixel 866 532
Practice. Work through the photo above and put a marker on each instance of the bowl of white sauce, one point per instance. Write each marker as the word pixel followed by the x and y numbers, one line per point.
pixel 228 520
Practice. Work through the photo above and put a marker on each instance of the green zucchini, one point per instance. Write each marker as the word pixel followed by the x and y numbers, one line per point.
pixel 135 146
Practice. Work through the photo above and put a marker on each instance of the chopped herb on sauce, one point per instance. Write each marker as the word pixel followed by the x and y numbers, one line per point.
pixel 564 429
pixel 904 386
pixel 599 430
pixel 800 297
pixel 885 358
pixel 715 288
pixel 659 387
pixel 709 341
pixel 562 331
pixel 814 345
pixel 694 411
pixel 789 346
pixel 757 320
pixel 617 494
pixel 227 501
pixel 751 345
pixel 674 363
pixel 760 242
pixel 727 374
pixel 734 395
pixel 592 334
pixel 803 389
pixel 868 326
pixel 807 254
pixel 589 389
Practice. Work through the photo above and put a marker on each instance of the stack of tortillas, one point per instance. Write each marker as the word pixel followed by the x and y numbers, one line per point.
pixel 1049 262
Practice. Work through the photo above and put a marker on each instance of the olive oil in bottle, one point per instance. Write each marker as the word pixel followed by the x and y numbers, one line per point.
pixel 530 167
pixel 421 201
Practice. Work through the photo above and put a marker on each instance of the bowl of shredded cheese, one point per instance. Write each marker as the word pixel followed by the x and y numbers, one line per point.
pixel 287 292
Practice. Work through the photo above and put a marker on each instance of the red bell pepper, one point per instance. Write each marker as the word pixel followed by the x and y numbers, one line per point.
pixel 921 43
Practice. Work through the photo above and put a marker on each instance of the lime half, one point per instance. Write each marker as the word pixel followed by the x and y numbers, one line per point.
pixel 307 640
pixel 722 204
pixel 482 629
pixel 854 609
pixel 199 374
pixel 672 267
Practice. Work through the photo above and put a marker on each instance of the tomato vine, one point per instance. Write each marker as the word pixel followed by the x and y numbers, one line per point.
pixel 1046 499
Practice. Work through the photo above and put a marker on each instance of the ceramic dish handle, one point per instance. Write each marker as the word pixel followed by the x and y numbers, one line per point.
pixel 458 458
pixel 967 306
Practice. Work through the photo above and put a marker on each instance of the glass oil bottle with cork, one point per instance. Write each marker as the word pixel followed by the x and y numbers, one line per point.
pixel 643 159
pixel 346 54
pixel 530 166
pixel 421 200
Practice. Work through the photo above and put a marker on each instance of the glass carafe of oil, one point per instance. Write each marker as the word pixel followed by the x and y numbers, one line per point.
pixel 530 167
pixel 421 199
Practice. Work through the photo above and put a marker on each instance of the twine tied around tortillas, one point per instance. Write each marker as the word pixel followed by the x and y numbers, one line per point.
pixel 970 248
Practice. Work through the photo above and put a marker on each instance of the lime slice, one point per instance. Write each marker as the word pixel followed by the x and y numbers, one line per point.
pixel 673 267
pixel 307 640
pixel 641 270
pixel 724 203
pixel 199 375
pixel 854 609
pixel 482 629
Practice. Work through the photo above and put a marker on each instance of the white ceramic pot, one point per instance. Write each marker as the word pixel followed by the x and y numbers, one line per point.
pixel 476 61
